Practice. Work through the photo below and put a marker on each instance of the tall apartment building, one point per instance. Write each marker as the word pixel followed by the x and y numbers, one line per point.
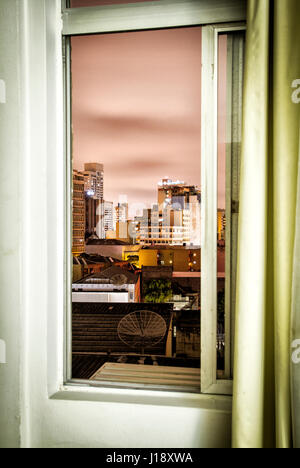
pixel 176 193
pixel 93 180
pixel 194 208
pixel 121 213
pixel 221 224
pixel 94 187
pixel 179 196
pixel 107 213
pixel 78 246
pixel 91 207
pixel 172 228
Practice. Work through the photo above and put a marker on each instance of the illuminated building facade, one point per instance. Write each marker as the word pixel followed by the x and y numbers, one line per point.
pixel 93 187
pixel 180 197
pixel 107 214
pixel 121 213
pixel 93 180
pixel 78 246
pixel 221 225
pixel 172 228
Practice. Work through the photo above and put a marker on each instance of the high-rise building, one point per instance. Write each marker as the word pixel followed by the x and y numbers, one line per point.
pixel 78 246
pixel 172 228
pixel 121 213
pixel 107 212
pixel 221 224
pixel 104 222
pixel 93 187
pixel 91 207
pixel 177 196
pixel 93 180
pixel 194 208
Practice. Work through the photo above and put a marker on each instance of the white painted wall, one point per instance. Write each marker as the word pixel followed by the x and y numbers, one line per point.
pixel 10 231
pixel 31 249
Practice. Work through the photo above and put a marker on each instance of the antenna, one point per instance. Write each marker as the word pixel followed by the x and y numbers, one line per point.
pixel 119 279
pixel 142 329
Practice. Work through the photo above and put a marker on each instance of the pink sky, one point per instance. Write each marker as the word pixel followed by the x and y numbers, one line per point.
pixel 137 108
pixel 222 69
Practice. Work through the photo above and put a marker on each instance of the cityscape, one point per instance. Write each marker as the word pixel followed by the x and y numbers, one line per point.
pixel 136 150
pixel 137 278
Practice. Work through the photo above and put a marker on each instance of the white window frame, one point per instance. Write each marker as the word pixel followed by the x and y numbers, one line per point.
pixel 155 15
pixel 209 185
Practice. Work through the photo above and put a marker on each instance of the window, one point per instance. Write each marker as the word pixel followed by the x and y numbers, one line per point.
pixel 129 255
pixel 230 71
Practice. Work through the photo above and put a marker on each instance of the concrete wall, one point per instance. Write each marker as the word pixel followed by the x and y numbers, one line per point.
pixel 35 409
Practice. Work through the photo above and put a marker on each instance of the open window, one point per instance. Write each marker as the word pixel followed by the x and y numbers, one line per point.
pixel 151 258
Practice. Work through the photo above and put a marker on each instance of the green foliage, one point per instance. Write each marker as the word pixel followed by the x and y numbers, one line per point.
pixel 158 291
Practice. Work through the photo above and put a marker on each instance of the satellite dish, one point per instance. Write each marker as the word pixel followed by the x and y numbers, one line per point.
pixel 119 279
pixel 142 329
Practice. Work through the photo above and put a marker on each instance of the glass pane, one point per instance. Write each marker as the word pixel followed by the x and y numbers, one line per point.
pixel 221 216
pixel 136 231
pixel 89 3
pixel 230 83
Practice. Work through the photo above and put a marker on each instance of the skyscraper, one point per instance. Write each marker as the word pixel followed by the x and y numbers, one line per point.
pixel 78 213
pixel 93 187
pixel 108 216
pixel 93 180
pixel 121 213
pixel 221 224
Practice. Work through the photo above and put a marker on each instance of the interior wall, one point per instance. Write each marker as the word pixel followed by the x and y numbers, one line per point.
pixel 10 254
pixel 29 38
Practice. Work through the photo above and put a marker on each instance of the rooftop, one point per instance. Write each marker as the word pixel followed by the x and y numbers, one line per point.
pixel 95 327
pixel 113 275
pixel 170 247
pixel 85 365
pixel 106 242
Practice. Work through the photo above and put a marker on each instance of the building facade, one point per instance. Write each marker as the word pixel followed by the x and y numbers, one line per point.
pixel 94 180
pixel 93 187
pixel 78 246
pixel 173 227
pixel 181 197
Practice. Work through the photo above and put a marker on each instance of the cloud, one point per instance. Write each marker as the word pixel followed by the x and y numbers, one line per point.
pixel 137 108
pixel 120 125
pixel 140 165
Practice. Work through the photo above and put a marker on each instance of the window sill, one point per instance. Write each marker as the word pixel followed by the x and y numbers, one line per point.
pixel 87 392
